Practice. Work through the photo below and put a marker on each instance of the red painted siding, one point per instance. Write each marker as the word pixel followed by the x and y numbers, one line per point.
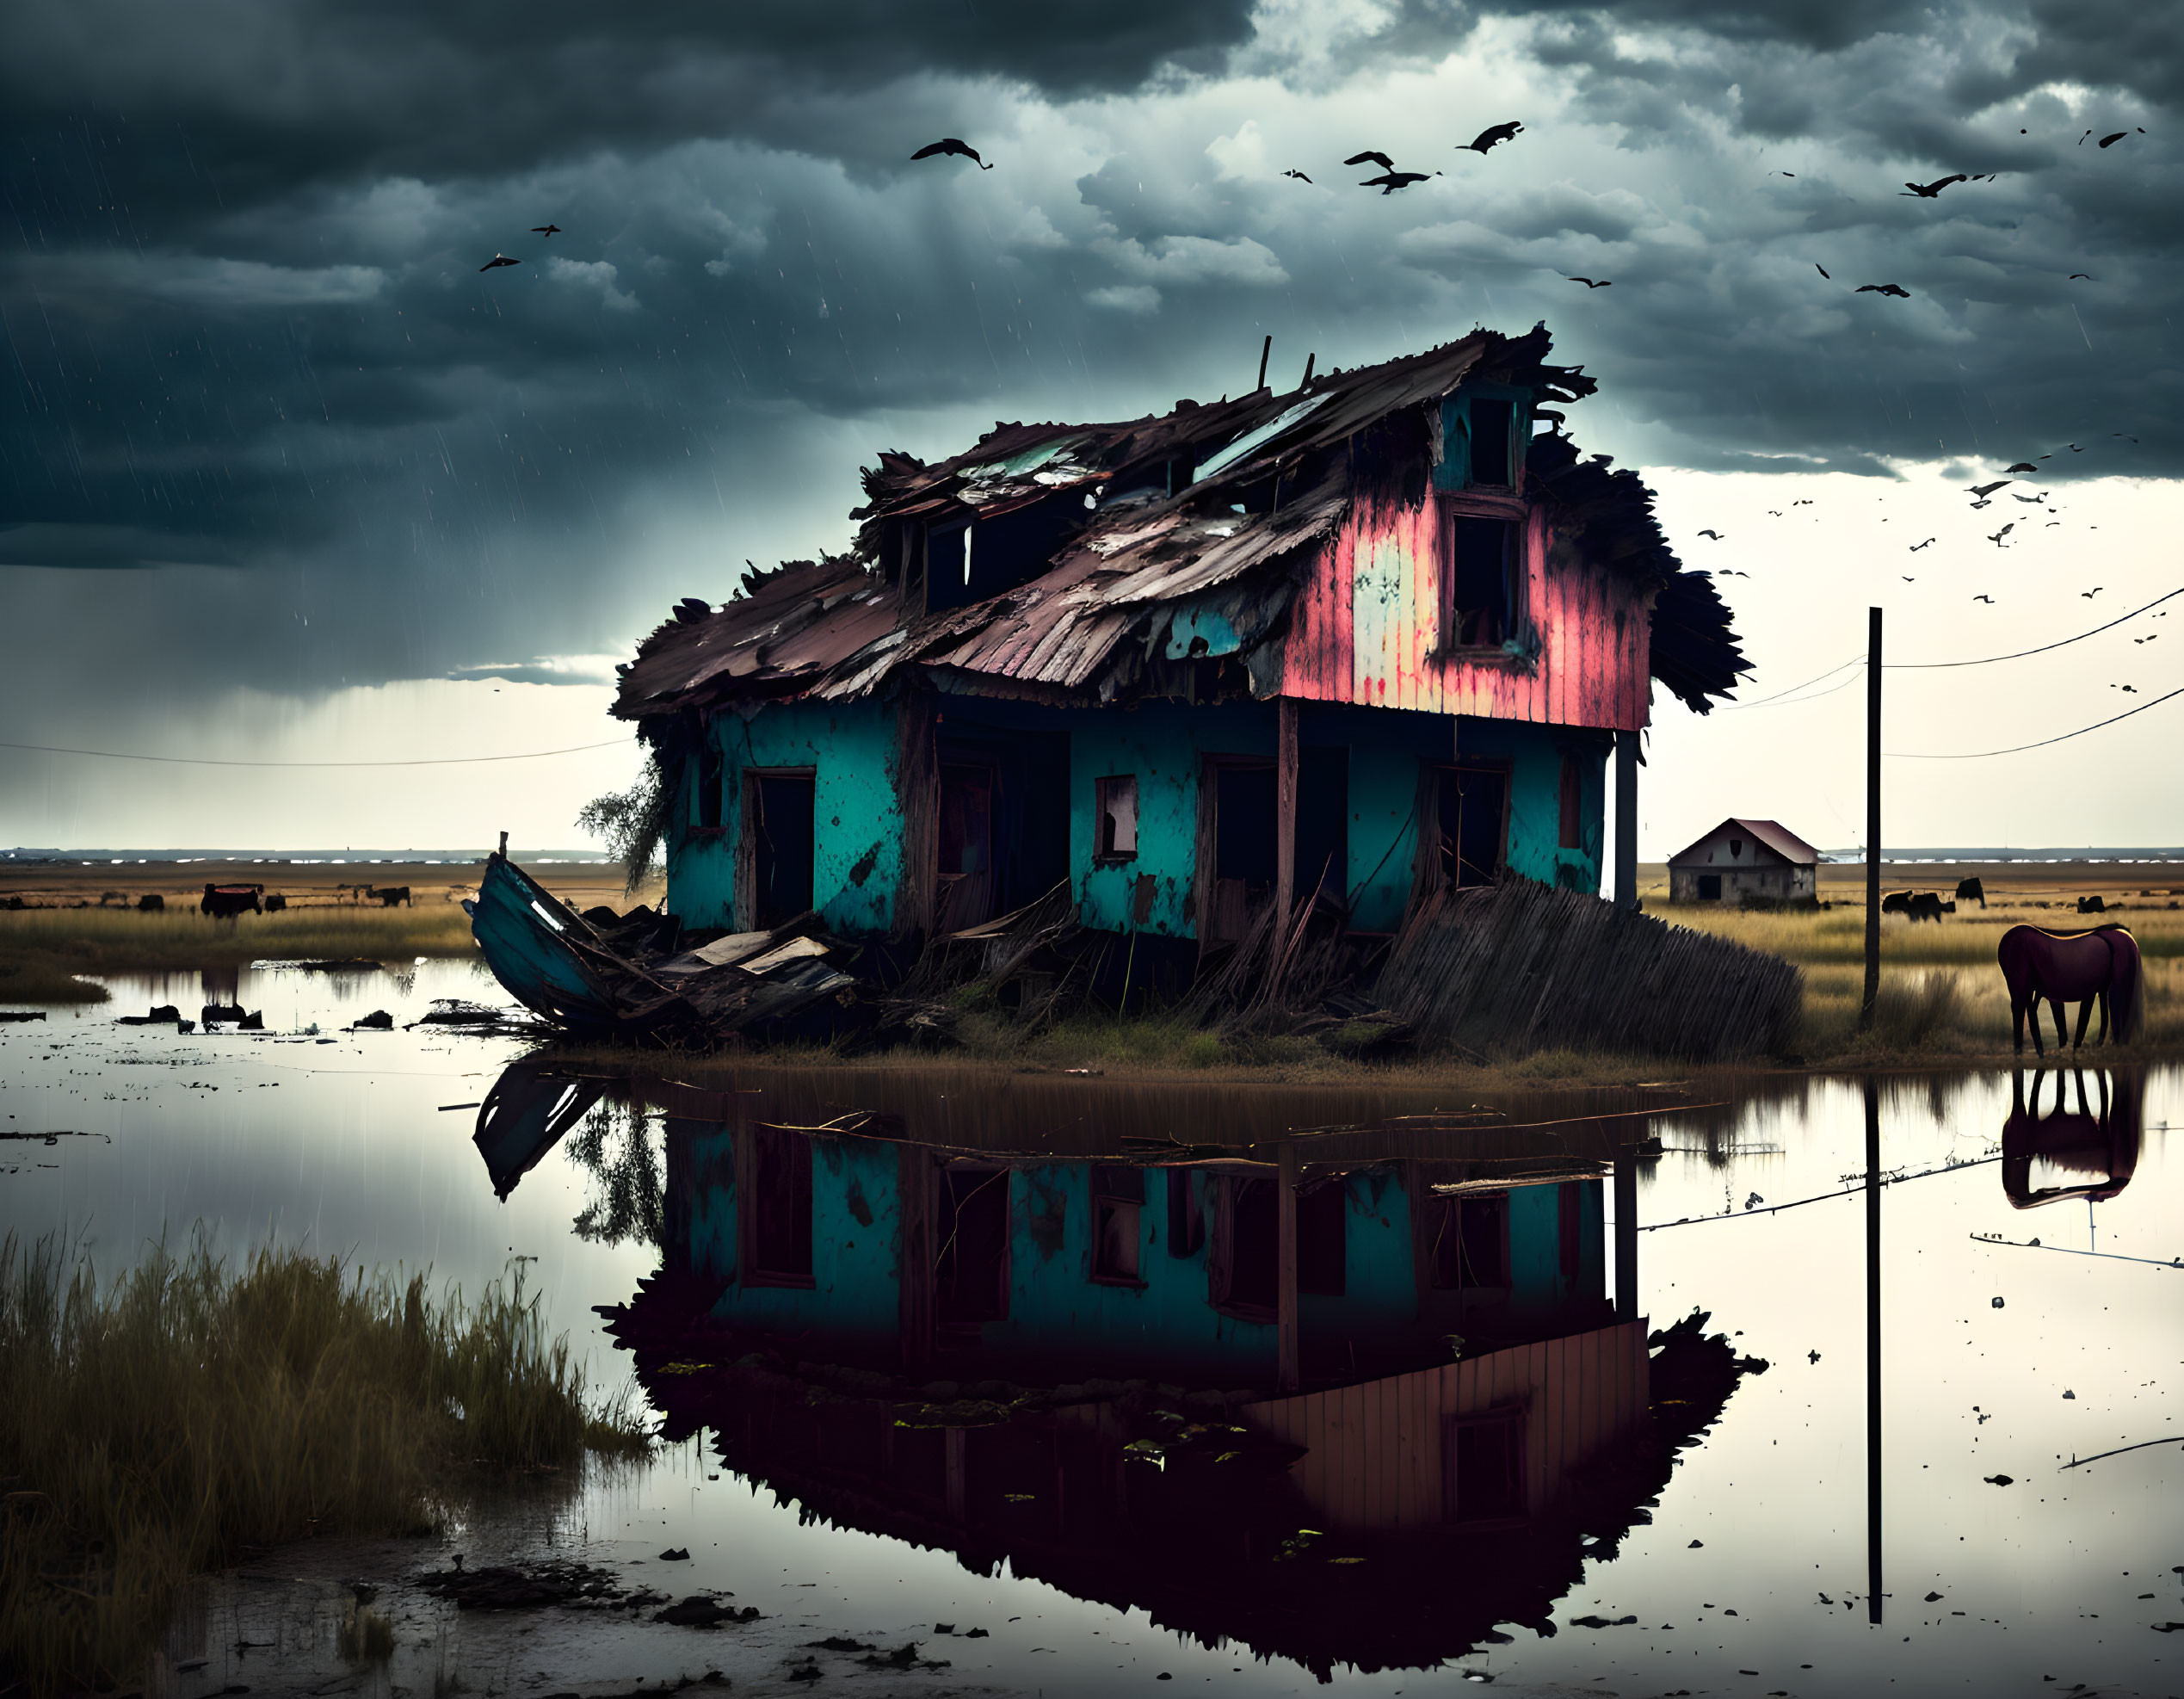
pixel 1365 627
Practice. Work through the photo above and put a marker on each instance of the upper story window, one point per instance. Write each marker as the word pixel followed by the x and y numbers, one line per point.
pixel 1493 442
pixel 1484 430
pixel 1483 588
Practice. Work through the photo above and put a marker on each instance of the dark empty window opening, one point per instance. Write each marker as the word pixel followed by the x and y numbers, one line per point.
pixel 1117 806
pixel 1573 804
pixel 1323 1224
pixel 779 827
pixel 710 782
pixel 1324 821
pixel 780 1207
pixel 1483 557
pixel 1118 1205
pixel 1253 1249
pixel 1709 888
pixel 1473 809
pixel 1735 847
pixel 970 1270
pixel 1569 1227
pixel 1492 435
pixel 1186 1215
pixel 966 892
pixel 1469 1247
pixel 1484 1467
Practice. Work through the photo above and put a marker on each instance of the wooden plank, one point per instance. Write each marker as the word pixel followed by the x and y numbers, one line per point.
pixel 1285 810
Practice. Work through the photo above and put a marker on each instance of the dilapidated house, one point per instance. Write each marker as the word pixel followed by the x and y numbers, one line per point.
pixel 1746 860
pixel 1359 642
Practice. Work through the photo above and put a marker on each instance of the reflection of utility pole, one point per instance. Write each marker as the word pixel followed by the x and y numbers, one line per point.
pixel 1626 1294
pixel 1873 1337
pixel 1288 1364
pixel 1872 819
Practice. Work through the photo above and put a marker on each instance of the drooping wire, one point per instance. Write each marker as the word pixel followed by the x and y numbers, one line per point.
pixel 2062 643
pixel 2019 749
pixel 1731 707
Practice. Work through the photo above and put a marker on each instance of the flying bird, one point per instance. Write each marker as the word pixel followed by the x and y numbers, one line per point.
pixel 2110 141
pixel 2128 690
pixel 2081 139
pixel 1915 547
pixel 1370 156
pixel 1895 289
pixel 2145 640
pixel 2040 500
pixel 2022 466
pixel 1487 140
pixel 952 145
pixel 498 259
pixel 1716 535
pixel 1907 578
pixel 1604 283
pixel 1988 600
pixel 1822 269
pixel 2076 275
pixel 1802 501
pixel 1986 490
pixel 2089 594
pixel 1300 176
pixel 1389 182
pixel 1927 191
pixel 1781 174
pixel 548 230
pixel 1997 538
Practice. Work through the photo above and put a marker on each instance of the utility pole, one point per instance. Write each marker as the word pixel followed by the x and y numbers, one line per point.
pixel 1875 1591
pixel 1872 819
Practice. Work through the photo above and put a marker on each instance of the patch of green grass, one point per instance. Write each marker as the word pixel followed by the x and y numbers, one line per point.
pixel 153 1428
pixel 41 950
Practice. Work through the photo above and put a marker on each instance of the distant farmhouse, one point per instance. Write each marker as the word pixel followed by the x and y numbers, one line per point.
pixel 1356 644
pixel 1741 859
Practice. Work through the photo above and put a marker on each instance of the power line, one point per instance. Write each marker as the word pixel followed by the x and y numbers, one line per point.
pixel 1987 660
pixel 1981 755
pixel 209 760
pixel 1731 707
pixel 1801 701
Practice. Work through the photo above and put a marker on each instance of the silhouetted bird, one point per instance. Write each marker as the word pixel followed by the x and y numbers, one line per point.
pixel 2145 640
pixel 1813 1356
pixel 1915 547
pixel 2089 594
pixel 1300 176
pixel 1988 489
pixel 1487 140
pixel 498 259
pixel 2036 501
pixel 1372 156
pixel 1781 174
pixel 2022 466
pixel 1716 535
pixel 1388 182
pixel 2128 690
pixel 1822 269
pixel 2076 275
pixel 2110 141
pixel 1907 578
pixel 1604 283
pixel 2081 139
pixel 1895 289
pixel 951 145
pixel 1996 538
pixel 1988 600
pixel 1802 501
pixel 1927 191
pixel 548 230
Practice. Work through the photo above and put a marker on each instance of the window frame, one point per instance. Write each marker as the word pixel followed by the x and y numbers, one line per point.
pixel 947 1212
pixel 1107 785
pixel 1514 513
pixel 1220 1263
pixel 748 827
pixel 752 1272
pixel 1114 1200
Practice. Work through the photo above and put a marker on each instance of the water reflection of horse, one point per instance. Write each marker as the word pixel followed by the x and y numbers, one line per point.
pixel 2098 966
pixel 2102 1143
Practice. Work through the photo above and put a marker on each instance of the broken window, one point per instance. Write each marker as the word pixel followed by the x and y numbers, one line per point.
pixel 1246 1278
pixel 1323 1226
pixel 1186 1215
pixel 1493 442
pixel 1573 804
pixel 1484 558
pixel 1468 1242
pixel 779 839
pixel 710 782
pixel 780 1217
pixel 1118 1202
pixel 971 1272
pixel 967 893
pixel 1709 888
pixel 1472 807
pixel 1483 1467
pixel 1118 798
pixel 1735 847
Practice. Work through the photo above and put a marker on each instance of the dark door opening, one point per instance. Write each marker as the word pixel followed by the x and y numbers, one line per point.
pixel 779 829
pixel 1474 804
pixel 965 824
pixel 1243 846
pixel 1709 888
pixel 1253 1272
pixel 1324 822
pixel 1323 1239
pixel 970 1273
pixel 780 1217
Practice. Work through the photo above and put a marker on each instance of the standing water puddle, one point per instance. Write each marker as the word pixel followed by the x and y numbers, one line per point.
pixel 1087 1458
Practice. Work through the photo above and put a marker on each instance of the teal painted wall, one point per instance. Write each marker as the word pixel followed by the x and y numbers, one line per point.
pixel 857 826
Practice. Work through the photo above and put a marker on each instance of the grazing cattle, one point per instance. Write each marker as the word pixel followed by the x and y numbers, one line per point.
pixel 276 904
pixel 2092 905
pixel 389 895
pixel 1972 891
pixel 225 902
pixel 153 903
pixel 1928 906
pixel 1896 902
pixel 215 1012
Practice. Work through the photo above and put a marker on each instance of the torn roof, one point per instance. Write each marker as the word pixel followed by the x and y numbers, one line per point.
pixel 1137 527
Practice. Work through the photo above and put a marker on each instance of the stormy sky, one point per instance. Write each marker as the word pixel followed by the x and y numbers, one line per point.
pixel 285 477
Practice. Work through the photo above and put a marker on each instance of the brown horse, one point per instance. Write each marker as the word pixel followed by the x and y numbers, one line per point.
pixel 2102 1146
pixel 2100 966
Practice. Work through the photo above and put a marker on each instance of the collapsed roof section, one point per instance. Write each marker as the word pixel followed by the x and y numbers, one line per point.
pixel 1090 540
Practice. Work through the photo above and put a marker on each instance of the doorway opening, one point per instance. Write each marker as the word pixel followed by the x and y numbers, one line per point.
pixel 1472 807
pixel 971 1272
pixel 779 842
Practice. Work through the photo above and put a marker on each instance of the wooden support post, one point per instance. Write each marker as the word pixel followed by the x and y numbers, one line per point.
pixel 1266 349
pixel 1309 359
pixel 1872 819
pixel 1626 785
pixel 1874 1589
pixel 1287 1368
pixel 1285 817
pixel 1627 1292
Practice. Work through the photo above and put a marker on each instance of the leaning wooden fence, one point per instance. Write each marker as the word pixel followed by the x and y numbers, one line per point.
pixel 1519 966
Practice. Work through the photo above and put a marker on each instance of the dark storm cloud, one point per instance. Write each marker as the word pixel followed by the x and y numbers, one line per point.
pixel 247 341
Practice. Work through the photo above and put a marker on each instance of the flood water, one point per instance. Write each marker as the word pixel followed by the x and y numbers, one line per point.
pixel 2041 1343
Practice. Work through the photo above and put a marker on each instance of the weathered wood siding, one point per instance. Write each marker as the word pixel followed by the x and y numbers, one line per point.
pixel 1374 1452
pixel 1365 628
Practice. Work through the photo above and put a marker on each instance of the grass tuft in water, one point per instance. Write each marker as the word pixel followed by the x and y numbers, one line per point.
pixel 154 1429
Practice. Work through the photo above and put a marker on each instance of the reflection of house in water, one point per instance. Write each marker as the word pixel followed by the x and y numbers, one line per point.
pixel 2089 1152
pixel 1067 1348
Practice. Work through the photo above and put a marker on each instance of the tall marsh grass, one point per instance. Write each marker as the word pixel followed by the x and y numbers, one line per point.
pixel 155 1428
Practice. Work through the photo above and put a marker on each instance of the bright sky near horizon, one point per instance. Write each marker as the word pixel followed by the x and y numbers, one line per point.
pixel 284 477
